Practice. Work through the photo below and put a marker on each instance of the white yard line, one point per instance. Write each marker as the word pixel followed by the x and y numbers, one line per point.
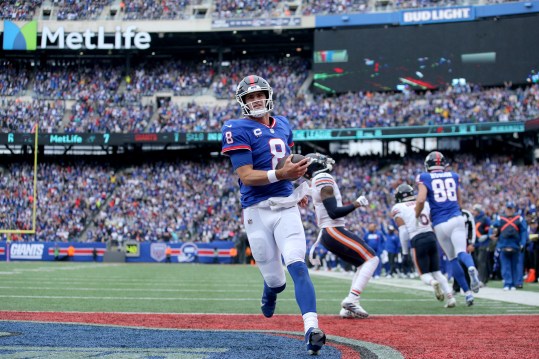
pixel 517 297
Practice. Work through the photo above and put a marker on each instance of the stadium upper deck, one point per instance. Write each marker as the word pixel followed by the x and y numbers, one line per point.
pixel 184 80
pixel 65 10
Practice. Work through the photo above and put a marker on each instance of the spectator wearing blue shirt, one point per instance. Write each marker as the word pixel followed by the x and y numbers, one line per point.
pixel 375 239
pixel 393 248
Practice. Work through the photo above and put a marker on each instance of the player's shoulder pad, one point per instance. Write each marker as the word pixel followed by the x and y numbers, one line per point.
pixel 420 178
pixel 279 118
pixel 322 180
pixel 233 124
pixel 323 176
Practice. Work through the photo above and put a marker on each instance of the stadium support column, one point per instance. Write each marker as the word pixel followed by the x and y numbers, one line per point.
pixel 128 63
pixel 220 58
pixel 530 147
pixel 408 144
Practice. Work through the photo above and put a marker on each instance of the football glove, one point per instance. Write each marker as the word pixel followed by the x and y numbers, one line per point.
pixel 363 201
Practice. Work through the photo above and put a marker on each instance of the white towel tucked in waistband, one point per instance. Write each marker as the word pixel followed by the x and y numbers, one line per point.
pixel 290 201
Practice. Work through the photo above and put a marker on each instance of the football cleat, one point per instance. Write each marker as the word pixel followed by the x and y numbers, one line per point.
pixel 469 299
pixel 451 301
pixel 475 284
pixel 355 308
pixel 438 290
pixel 269 301
pixel 315 340
pixel 346 314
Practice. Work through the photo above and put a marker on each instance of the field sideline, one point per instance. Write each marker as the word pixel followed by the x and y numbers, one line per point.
pixel 120 311
pixel 195 288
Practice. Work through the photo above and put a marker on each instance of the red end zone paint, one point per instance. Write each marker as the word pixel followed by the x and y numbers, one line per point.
pixel 413 336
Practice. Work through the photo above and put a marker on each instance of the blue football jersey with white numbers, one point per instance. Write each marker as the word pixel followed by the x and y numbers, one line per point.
pixel 441 194
pixel 267 144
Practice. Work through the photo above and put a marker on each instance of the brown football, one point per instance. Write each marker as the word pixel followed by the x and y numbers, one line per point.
pixel 295 159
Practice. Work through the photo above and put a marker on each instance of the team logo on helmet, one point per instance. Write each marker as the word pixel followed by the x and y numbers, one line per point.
pixel 250 84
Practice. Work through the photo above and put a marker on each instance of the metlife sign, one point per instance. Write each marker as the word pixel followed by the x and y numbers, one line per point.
pixel 25 38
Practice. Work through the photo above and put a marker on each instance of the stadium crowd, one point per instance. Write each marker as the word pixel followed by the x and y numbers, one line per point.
pixel 71 10
pixel 198 201
pixel 183 196
pixel 104 99
pixel 186 200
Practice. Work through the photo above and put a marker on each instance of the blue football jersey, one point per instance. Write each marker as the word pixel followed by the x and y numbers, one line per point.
pixel 442 189
pixel 267 144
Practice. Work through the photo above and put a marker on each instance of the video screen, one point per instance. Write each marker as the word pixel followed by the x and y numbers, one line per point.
pixel 486 52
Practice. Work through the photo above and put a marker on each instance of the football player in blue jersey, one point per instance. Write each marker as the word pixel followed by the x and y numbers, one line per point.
pixel 255 144
pixel 441 189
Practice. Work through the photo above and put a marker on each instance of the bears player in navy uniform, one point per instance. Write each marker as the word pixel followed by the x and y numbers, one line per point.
pixel 441 189
pixel 271 216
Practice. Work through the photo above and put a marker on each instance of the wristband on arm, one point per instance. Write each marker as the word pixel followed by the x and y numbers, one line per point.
pixel 272 176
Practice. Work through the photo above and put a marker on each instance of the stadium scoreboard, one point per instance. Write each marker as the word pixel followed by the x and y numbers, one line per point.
pixel 488 53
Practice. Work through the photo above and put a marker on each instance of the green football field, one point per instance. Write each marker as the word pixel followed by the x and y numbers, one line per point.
pixel 195 288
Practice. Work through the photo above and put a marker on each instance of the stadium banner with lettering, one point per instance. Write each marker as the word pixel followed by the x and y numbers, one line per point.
pixel 50 251
pixel 432 15
pixel 24 36
pixel 379 133
pixel 436 15
pixel 186 252
pixel 253 23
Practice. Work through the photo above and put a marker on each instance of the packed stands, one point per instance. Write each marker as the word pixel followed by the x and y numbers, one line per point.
pixel 155 199
pixel 198 200
pixel 19 10
pixel 128 10
pixel 107 100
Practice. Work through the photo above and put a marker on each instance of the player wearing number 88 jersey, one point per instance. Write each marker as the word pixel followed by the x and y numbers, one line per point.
pixel 440 188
